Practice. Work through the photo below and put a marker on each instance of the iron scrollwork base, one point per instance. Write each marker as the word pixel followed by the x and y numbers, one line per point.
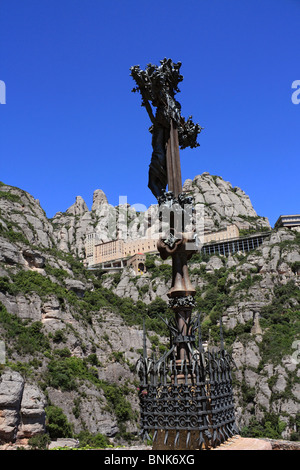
pixel 193 395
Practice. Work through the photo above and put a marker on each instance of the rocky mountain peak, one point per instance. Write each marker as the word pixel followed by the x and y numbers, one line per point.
pixel 79 207
pixel 219 203
pixel 99 198
pixel 223 204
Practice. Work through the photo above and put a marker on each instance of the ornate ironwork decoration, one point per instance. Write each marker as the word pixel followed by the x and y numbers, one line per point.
pixel 158 86
pixel 181 302
pixel 193 394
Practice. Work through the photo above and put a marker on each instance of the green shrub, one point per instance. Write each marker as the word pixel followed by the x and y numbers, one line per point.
pixel 93 359
pixel 63 372
pixel 33 339
pixel 158 307
pixel 57 423
pixel 60 376
pixel 64 352
pixel 280 321
pixel 163 271
pixel 59 336
pixel 26 339
pixel 117 402
pixel 13 232
pixel 39 441
pixel 249 281
pixel 269 427
pixel 10 197
pixel 278 339
pixel 95 441
pixel 149 263
pixel 59 274
pixel 5 284
pixel 32 281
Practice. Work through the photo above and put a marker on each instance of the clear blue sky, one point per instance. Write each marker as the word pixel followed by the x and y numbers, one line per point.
pixel 71 125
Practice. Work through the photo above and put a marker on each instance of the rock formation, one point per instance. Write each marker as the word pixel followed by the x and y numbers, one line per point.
pixel 223 204
pixel 72 337
pixel 78 208
pixel 99 199
pixel 22 408
pixel 220 204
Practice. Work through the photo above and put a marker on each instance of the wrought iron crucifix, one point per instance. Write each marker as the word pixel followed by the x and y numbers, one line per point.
pixel 175 395
pixel 158 86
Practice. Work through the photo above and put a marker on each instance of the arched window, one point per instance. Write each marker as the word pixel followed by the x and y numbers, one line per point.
pixel 141 266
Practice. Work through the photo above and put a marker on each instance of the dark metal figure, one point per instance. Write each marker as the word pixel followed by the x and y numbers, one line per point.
pixel 158 86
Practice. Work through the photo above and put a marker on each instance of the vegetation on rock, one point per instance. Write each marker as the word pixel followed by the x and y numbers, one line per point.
pixel 76 334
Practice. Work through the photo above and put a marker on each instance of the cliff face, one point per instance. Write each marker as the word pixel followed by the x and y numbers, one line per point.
pixel 72 338
pixel 222 204
pixel 215 199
